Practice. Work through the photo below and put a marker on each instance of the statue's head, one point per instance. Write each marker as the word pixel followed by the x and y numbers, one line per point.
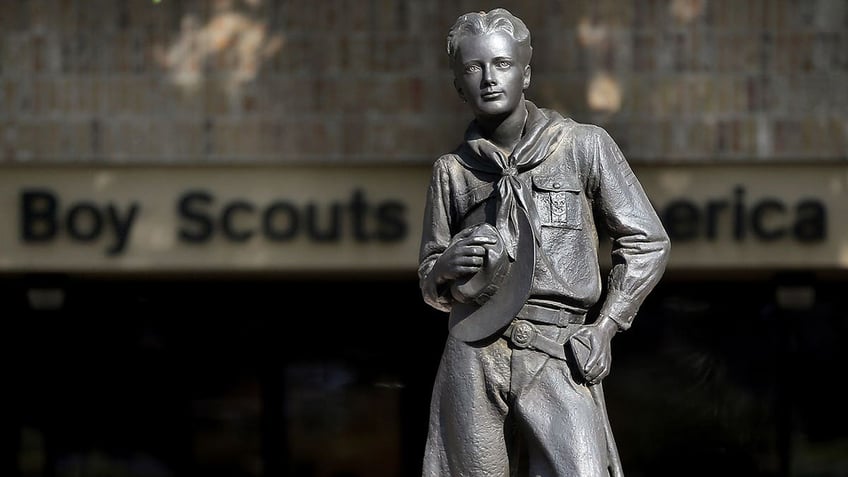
pixel 490 57
pixel 482 23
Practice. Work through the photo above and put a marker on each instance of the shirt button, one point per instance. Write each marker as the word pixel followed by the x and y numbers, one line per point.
pixel 557 184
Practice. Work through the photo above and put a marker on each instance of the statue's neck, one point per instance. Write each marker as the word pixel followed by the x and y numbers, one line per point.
pixel 504 132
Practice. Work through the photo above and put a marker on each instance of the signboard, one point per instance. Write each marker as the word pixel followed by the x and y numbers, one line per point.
pixel 210 218
pixel 786 216
pixel 368 218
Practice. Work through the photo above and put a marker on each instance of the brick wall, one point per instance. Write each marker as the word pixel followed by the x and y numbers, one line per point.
pixel 189 81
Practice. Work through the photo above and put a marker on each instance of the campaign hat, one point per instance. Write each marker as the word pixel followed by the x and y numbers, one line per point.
pixel 486 302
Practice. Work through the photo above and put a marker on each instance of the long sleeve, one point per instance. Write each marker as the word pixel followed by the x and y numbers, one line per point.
pixel 435 237
pixel 640 244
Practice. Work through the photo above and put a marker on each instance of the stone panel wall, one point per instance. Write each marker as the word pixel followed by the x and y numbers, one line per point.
pixel 354 81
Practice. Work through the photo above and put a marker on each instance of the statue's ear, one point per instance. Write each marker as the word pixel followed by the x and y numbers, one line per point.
pixel 459 90
pixel 526 76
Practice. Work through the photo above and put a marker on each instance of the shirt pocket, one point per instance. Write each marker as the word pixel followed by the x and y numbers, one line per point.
pixel 558 202
pixel 468 201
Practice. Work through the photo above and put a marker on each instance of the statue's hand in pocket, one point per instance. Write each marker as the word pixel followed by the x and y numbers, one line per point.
pixel 591 352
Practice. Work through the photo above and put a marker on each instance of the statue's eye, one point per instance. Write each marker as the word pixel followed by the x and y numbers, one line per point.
pixel 472 68
pixel 503 64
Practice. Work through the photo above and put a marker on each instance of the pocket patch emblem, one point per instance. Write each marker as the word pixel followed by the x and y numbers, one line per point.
pixel 558 208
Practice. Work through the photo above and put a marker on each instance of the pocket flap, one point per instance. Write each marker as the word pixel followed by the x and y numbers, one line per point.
pixel 555 184
pixel 475 196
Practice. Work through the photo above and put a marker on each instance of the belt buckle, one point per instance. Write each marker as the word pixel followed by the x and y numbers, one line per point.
pixel 523 333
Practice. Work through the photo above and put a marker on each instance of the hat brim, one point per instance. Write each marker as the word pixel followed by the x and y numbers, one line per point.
pixel 470 322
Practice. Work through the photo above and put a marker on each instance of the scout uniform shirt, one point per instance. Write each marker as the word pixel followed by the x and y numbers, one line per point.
pixel 563 175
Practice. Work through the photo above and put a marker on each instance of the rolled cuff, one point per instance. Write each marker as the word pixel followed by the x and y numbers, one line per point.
pixel 434 295
pixel 620 308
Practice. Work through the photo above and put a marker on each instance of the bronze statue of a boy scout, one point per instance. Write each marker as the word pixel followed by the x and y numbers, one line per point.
pixel 510 249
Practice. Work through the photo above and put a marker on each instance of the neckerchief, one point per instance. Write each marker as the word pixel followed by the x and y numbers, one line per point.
pixel 542 133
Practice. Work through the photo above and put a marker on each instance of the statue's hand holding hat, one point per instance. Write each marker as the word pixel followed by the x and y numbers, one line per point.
pixel 487 300
pixel 481 285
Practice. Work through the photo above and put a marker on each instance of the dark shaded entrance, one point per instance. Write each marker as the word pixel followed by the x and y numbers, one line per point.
pixel 219 377
pixel 223 376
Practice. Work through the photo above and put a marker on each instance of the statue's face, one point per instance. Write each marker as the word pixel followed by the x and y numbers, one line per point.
pixel 489 75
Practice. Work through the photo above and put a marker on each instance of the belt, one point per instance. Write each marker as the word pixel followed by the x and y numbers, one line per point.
pixel 524 334
pixel 550 316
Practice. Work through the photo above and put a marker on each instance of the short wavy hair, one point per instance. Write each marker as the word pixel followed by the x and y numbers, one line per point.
pixel 481 23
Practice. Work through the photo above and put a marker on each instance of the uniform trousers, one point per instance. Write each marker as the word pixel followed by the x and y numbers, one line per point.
pixel 499 411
